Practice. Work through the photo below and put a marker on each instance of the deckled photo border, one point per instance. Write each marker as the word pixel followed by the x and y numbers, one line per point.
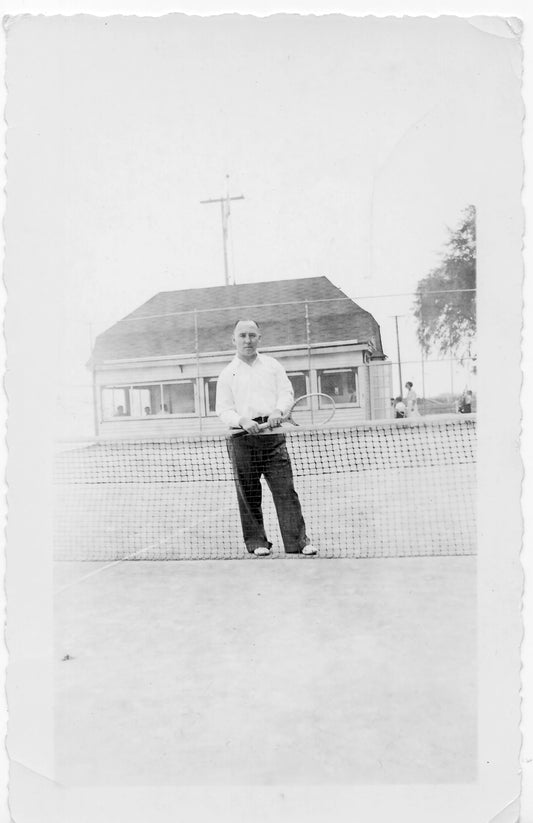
pixel 500 590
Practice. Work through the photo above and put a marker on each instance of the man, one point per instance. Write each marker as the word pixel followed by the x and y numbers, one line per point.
pixel 251 390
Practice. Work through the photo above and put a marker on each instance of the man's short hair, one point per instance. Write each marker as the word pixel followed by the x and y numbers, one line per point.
pixel 246 320
pixel 409 384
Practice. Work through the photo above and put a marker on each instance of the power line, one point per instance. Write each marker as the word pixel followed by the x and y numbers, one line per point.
pixel 433 360
pixel 411 293
pixel 284 303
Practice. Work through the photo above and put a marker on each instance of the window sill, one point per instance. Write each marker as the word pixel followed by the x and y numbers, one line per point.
pixel 150 417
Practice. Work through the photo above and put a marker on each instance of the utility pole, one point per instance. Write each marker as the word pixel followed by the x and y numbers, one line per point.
pixel 451 375
pixel 93 383
pixel 452 363
pixel 423 375
pixel 225 212
pixel 396 316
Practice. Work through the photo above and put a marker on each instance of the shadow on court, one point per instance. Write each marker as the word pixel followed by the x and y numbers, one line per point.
pixel 312 671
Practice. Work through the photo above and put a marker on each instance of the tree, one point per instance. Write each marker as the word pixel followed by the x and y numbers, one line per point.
pixel 445 303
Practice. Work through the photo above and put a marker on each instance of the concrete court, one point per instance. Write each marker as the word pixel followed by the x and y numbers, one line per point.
pixel 299 671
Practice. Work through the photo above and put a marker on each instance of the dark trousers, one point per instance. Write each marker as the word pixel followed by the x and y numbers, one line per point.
pixel 251 457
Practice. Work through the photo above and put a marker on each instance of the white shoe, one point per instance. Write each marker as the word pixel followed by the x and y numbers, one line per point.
pixel 262 551
pixel 309 550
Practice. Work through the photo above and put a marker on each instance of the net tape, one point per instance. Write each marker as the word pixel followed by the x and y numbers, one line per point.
pixel 389 489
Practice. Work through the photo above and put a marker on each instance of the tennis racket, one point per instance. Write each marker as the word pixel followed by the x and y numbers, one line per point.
pixel 310 410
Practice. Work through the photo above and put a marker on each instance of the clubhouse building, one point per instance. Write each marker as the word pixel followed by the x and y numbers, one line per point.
pixel 155 371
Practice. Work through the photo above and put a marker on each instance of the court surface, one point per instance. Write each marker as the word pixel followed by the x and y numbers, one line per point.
pixel 353 671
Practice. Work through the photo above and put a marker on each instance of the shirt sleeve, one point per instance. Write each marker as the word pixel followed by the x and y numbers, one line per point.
pixel 284 390
pixel 225 403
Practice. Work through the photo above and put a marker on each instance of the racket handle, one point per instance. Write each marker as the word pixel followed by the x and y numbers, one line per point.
pixel 266 426
pixel 262 427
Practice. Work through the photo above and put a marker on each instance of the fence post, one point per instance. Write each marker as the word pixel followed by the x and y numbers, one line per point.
pixel 308 339
pixel 95 403
pixel 198 378
pixel 369 390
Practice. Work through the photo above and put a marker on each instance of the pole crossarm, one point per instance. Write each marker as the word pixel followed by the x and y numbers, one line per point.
pixel 223 199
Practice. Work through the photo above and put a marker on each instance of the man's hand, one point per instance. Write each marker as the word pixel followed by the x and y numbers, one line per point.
pixel 275 418
pixel 249 425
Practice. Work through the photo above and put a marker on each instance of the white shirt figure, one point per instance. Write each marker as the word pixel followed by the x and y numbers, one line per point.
pixel 248 390
pixel 411 401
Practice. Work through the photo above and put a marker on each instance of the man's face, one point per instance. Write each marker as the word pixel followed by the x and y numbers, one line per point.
pixel 246 338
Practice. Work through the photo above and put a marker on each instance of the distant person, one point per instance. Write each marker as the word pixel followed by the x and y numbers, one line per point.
pixel 120 412
pixel 411 401
pixel 465 407
pixel 147 410
pixel 400 409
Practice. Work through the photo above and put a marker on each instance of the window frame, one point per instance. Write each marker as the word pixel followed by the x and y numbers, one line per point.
pixel 127 403
pixel 307 377
pixel 128 387
pixel 206 381
pixel 339 369
pixel 148 386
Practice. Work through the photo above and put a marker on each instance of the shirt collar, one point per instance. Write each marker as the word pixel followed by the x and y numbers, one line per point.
pixel 237 360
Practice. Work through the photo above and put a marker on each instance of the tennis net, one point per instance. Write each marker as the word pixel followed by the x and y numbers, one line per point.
pixel 379 489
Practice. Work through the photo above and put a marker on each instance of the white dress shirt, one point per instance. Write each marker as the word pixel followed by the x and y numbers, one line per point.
pixel 252 390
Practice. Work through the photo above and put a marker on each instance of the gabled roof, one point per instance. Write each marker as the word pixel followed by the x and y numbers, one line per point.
pixel 165 324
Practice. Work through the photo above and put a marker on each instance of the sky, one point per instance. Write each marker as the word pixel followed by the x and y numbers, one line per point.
pixel 356 143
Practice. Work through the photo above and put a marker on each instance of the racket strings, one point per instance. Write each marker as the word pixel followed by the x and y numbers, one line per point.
pixel 312 410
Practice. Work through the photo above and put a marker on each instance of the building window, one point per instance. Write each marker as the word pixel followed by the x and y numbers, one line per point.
pixel 300 382
pixel 210 394
pixel 340 384
pixel 145 400
pixel 116 402
pixel 178 398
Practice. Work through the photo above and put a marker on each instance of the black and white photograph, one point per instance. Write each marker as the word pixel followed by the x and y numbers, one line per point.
pixel 267 272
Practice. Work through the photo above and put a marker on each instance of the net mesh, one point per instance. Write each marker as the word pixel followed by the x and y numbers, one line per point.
pixel 390 489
